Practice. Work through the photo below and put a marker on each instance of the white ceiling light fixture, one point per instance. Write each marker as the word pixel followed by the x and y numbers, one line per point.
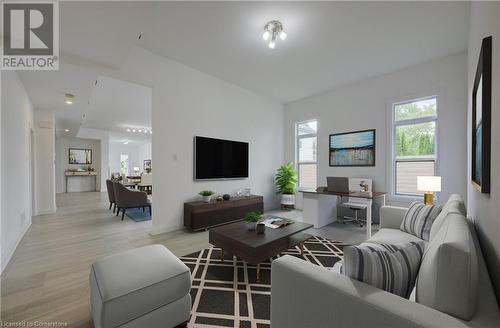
pixel 272 31
pixel 66 130
pixel 69 98
pixel 139 130
pixel 125 142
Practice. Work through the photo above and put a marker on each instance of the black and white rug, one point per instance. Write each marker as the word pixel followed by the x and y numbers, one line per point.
pixel 226 294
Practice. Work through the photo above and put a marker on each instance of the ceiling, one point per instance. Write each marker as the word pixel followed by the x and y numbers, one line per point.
pixel 329 44
pixel 121 105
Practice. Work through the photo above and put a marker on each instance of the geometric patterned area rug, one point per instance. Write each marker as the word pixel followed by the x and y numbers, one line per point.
pixel 226 294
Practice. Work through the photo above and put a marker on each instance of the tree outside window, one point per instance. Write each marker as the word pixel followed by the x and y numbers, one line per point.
pixel 414 143
pixel 124 164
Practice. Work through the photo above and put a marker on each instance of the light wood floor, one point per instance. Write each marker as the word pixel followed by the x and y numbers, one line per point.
pixel 47 278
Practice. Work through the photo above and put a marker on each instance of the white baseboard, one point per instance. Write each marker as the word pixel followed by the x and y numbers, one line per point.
pixel 11 251
pixel 159 230
pixel 44 212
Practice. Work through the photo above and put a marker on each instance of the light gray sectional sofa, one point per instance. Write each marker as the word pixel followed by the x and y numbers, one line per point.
pixel 453 287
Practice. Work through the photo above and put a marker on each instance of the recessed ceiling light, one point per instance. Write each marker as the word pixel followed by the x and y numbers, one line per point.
pixel 150 132
pixel 133 130
pixel 128 130
pixel 66 130
pixel 69 98
pixel 125 142
pixel 140 130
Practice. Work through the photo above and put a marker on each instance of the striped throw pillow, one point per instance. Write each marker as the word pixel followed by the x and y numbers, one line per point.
pixel 418 219
pixel 393 268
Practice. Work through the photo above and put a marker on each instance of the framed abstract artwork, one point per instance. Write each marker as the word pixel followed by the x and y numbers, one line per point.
pixel 481 120
pixel 79 156
pixel 352 148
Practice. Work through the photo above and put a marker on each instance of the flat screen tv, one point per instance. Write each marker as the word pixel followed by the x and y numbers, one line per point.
pixel 219 159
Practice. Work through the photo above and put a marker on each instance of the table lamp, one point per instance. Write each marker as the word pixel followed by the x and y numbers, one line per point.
pixel 428 184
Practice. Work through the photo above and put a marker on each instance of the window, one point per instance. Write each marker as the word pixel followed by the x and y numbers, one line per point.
pixel 124 164
pixel 306 133
pixel 414 143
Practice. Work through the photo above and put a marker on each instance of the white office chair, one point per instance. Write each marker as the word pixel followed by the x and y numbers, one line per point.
pixel 356 204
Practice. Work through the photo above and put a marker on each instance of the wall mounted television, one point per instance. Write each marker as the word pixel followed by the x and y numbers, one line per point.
pixel 217 159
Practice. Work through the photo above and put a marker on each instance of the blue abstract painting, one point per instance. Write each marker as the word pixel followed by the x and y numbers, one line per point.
pixel 353 148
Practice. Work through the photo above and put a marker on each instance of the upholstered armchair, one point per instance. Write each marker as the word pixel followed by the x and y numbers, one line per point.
pixel 126 198
pixel 111 194
pixel 146 183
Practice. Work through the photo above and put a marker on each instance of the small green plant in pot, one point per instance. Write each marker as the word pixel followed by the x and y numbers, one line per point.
pixel 286 183
pixel 206 195
pixel 251 219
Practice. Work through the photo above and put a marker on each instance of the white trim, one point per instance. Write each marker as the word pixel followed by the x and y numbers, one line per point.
pixel 391 176
pixel 296 155
pixel 164 229
pixel 44 212
pixel 13 249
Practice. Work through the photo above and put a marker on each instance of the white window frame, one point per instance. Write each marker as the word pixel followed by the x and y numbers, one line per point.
pixel 297 143
pixel 394 125
pixel 128 162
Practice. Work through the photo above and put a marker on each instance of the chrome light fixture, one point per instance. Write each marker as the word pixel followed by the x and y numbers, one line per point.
pixel 69 97
pixel 272 31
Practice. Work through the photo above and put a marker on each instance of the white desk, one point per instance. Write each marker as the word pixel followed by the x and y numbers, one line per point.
pixel 320 206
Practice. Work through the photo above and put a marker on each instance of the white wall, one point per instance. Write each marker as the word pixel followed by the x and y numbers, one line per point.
pixel 76 184
pixel 45 201
pixel 103 137
pixel 186 103
pixel 483 208
pixel 16 124
pixel 137 152
pixel 145 152
pixel 1 172
pixel 367 105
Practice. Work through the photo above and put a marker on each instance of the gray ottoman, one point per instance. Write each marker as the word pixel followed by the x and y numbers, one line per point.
pixel 143 287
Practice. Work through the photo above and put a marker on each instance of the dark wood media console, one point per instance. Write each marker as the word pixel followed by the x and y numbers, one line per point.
pixel 200 215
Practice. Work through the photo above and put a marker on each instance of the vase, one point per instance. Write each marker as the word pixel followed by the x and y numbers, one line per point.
pixel 288 201
pixel 250 226
pixel 206 199
pixel 260 228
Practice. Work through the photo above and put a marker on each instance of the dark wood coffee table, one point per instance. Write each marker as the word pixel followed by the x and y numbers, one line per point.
pixel 250 246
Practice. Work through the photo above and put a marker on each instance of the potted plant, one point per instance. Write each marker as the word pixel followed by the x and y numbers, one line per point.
pixel 206 195
pixel 251 219
pixel 286 182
